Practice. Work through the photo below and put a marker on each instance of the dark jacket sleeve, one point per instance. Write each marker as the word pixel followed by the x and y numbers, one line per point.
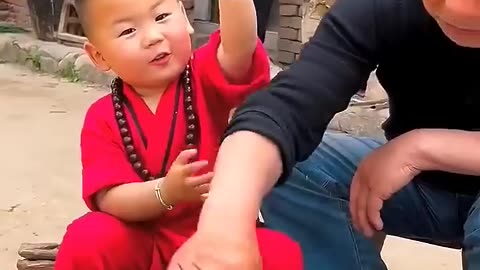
pixel 295 109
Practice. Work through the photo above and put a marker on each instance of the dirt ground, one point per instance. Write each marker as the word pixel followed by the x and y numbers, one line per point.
pixel 40 119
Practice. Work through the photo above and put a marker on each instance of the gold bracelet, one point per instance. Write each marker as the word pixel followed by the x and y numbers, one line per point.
pixel 158 194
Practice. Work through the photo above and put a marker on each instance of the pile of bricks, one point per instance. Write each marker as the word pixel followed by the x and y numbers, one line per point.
pixel 298 22
pixel 37 256
pixel 290 31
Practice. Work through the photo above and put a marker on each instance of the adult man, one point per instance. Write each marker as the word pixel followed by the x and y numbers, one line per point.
pixel 422 184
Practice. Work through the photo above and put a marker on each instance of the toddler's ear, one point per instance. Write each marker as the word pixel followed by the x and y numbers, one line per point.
pixel 96 57
pixel 190 29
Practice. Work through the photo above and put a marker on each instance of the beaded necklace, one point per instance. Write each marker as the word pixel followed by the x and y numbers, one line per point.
pixel 191 138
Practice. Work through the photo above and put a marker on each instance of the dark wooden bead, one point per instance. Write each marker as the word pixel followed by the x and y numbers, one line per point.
pixel 137 165
pixel 130 148
pixel 127 140
pixel 125 132
pixel 133 157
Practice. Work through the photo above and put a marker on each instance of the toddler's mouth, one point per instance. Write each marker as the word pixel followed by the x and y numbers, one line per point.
pixel 160 57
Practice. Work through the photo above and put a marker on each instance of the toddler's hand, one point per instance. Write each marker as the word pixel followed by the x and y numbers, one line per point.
pixel 180 185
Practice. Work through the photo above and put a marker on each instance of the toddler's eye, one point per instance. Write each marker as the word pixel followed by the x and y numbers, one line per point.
pixel 127 32
pixel 162 17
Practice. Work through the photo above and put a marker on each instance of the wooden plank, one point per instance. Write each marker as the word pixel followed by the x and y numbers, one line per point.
pixel 73 20
pixel 35 265
pixel 69 28
pixel 38 251
pixel 63 15
pixel 70 44
pixel 71 38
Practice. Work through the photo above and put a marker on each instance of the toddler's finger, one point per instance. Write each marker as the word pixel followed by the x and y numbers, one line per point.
pixel 192 168
pixel 185 156
pixel 202 189
pixel 194 181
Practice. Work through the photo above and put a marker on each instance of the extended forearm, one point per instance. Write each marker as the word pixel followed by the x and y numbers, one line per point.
pixel 238 30
pixel 238 26
pixel 247 167
pixel 454 151
pixel 134 202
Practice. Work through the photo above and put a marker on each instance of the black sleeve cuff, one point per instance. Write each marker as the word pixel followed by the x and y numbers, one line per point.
pixel 262 124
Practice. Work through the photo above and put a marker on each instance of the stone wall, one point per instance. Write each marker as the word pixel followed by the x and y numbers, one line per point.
pixel 15 12
pixel 298 21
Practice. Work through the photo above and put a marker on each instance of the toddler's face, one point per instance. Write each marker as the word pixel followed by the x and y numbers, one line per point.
pixel 147 43
pixel 459 20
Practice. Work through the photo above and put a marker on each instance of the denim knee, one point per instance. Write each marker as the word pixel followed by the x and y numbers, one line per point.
pixel 472 227
pixel 330 168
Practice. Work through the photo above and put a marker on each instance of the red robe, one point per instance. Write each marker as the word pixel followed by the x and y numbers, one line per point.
pixel 100 241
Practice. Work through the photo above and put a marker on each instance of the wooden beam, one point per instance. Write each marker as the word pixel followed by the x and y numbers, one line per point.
pixel 77 41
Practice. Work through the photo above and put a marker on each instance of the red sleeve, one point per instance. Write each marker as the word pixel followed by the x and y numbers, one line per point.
pixel 212 77
pixel 104 162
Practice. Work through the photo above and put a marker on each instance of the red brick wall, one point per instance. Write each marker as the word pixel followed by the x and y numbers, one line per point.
pixel 15 12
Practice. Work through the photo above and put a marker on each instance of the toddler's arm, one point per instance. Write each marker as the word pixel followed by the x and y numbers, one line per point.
pixel 137 202
pixel 131 202
pixel 111 185
pixel 238 30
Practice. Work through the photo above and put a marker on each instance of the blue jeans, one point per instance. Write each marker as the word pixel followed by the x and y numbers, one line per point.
pixel 312 208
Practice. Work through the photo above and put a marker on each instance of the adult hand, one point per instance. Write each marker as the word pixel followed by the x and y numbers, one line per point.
pixel 218 249
pixel 381 174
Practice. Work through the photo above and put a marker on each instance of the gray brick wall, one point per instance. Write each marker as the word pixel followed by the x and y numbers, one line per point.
pixel 298 21
pixel 290 32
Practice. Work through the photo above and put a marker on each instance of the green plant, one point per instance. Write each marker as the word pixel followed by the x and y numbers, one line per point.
pixel 70 73
pixel 11 29
pixel 35 58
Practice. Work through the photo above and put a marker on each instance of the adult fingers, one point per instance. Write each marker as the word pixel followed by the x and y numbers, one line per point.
pixel 354 189
pixel 362 202
pixel 374 205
